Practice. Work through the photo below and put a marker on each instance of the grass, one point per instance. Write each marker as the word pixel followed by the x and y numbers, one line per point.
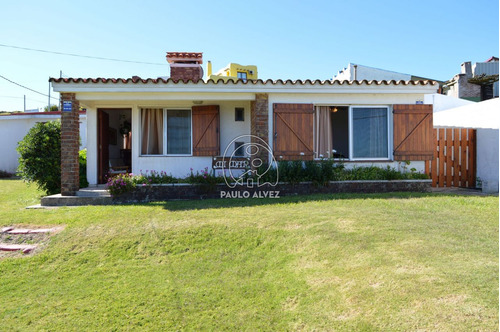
pixel 325 262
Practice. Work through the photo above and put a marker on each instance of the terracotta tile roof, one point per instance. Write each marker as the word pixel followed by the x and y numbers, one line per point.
pixel 137 80
pixel 37 113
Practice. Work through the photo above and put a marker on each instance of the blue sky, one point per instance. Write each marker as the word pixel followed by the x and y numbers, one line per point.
pixel 285 39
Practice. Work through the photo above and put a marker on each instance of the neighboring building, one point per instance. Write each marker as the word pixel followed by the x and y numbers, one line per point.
pixel 233 71
pixel 358 72
pixel 14 127
pixel 476 82
pixel 183 122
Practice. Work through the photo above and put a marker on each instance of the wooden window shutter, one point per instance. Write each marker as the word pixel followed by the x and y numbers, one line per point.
pixel 293 131
pixel 413 132
pixel 206 130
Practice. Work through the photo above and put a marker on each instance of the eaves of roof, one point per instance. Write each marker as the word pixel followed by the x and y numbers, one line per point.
pixel 236 82
pixel 42 115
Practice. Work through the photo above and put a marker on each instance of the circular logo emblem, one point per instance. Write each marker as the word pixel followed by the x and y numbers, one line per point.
pixel 253 173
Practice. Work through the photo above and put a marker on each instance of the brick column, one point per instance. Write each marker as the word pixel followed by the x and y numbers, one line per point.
pixel 259 112
pixel 70 142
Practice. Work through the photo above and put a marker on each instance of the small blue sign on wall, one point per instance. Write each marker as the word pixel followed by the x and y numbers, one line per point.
pixel 67 106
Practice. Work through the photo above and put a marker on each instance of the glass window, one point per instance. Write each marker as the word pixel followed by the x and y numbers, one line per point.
pixel 239 114
pixel 242 76
pixel 178 132
pixel 239 149
pixel 175 123
pixel 369 132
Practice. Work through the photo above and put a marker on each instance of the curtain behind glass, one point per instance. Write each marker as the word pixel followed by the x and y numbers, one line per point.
pixel 323 137
pixel 370 133
pixel 152 131
pixel 178 132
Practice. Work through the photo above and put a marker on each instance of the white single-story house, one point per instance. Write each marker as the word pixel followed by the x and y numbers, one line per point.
pixel 182 122
pixel 13 128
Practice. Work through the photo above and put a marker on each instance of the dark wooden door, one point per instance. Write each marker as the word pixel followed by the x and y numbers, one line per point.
pixel 103 145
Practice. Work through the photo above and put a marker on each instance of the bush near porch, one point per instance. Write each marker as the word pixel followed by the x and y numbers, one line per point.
pixel 40 158
pixel 352 262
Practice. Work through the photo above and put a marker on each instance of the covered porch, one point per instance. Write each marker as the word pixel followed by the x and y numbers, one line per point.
pixel 171 132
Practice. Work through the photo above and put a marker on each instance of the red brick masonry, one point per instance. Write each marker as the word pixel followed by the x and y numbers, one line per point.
pixel 70 136
pixel 259 114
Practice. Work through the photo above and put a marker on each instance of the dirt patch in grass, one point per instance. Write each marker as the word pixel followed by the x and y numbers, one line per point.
pixel 39 240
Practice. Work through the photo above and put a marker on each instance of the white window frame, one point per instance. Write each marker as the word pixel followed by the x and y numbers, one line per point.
pixel 165 140
pixel 351 134
pixel 241 73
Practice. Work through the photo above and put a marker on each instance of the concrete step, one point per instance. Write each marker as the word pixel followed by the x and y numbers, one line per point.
pixel 79 200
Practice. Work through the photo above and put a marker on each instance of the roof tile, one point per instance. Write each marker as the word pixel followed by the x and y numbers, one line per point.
pixel 137 80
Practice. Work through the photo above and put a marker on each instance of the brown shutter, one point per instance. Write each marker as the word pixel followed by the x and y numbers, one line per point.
pixel 293 131
pixel 206 130
pixel 413 132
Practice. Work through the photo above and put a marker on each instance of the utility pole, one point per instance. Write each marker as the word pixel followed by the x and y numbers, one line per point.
pixel 24 103
pixel 48 109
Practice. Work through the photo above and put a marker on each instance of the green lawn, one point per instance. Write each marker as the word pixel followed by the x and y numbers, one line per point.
pixel 323 262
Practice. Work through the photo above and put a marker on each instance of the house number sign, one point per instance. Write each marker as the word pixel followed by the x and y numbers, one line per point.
pixel 67 106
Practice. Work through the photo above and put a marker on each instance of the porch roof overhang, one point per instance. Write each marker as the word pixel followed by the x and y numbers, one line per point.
pixel 138 89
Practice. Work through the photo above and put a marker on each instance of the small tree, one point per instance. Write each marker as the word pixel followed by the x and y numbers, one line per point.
pixel 53 108
pixel 40 156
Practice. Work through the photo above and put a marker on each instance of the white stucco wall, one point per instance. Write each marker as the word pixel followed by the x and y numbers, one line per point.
pixel 487 159
pixel 444 102
pixel 13 128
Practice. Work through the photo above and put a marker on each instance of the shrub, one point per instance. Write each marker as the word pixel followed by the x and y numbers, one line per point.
pixel 292 171
pixel 155 177
pixel 269 176
pixel 377 173
pixel 204 178
pixel 120 184
pixel 5 174
pixel 323 171
pixel 40 156
pixel 82 160
pixel 318 172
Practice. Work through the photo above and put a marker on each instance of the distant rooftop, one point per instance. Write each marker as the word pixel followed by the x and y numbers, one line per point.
pixel 355 72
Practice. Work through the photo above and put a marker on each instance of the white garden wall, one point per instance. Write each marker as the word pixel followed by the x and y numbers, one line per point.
pixel 487 159
pixel 14 127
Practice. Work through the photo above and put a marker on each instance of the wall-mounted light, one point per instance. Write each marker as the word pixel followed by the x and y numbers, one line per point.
pixel 197 102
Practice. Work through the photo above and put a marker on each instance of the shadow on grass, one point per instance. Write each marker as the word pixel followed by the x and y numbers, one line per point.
pixel 214 203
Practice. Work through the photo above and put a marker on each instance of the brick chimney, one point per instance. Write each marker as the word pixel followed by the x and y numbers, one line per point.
pixel 185 66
